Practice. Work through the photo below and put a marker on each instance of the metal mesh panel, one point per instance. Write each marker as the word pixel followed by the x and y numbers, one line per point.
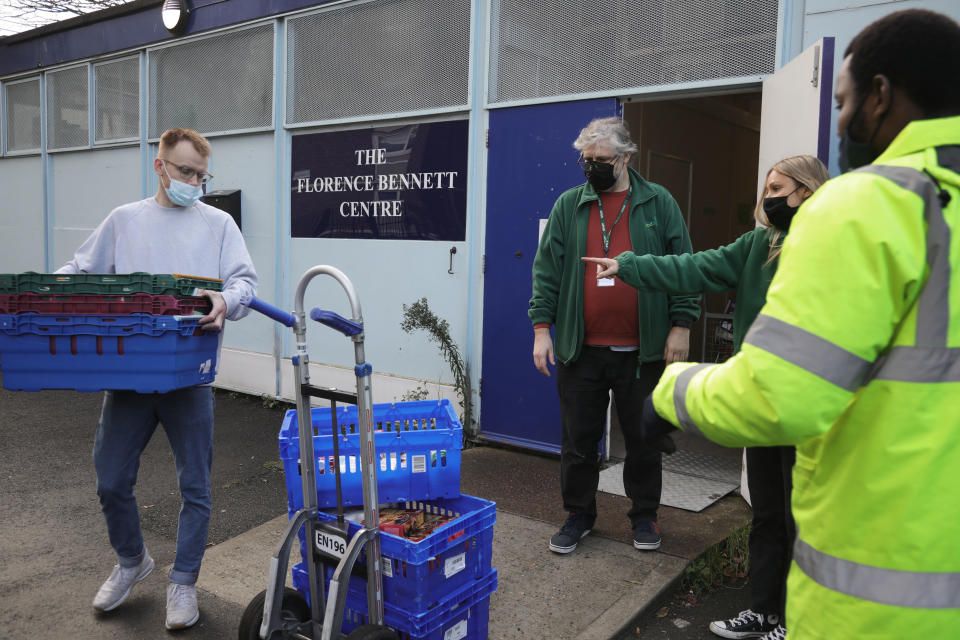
pixel 68 108
pixel 373 58
pixel 22 115
pixel 223 83
pixel 548 48
pixel 117 87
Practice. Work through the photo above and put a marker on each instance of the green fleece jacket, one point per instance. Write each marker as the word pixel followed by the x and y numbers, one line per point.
pixel 741 266
pixel 656 227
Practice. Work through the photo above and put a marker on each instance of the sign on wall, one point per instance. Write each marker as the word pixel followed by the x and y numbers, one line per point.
pixel 405 182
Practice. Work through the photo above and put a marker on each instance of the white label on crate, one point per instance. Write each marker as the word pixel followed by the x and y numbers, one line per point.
pixel 419 464
pixel 387 567
pixel 457 631
pixel 329 543
pixel 454 565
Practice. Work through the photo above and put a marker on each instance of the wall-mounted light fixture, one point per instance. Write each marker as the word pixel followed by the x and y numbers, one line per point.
pixel 175 14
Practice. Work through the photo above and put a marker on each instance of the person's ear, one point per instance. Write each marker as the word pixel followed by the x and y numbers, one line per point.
pixel 158 169
pixel 882 96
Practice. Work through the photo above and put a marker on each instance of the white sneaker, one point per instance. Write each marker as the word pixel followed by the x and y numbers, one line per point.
pixel 115 590
pixel 182 610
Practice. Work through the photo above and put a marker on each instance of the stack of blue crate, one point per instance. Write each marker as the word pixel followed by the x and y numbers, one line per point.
pixel 439 586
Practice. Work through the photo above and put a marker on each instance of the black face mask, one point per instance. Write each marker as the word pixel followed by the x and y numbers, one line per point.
pixel 599 175
pixel 854 153
pixel 779 213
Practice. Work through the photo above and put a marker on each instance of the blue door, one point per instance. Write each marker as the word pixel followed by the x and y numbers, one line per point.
pixel 531 161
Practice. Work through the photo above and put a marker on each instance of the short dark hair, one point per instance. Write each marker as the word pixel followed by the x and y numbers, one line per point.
pixel 919 51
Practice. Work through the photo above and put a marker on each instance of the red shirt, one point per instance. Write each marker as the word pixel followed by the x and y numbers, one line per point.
pixel 611 315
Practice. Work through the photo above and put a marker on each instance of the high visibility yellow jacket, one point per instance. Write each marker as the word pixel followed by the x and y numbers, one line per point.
pixel 855 359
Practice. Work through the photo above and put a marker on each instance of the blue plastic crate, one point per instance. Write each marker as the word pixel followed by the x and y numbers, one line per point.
pixel 473 516
pixel 417 574
pixel 464 613
pixel 419 587
pixel 418 448
pixel 137 352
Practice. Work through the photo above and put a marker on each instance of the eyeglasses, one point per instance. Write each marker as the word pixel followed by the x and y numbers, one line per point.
pixel 583 162
pixel 189 173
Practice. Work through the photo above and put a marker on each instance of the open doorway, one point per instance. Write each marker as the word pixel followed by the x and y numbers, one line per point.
pixel 704 151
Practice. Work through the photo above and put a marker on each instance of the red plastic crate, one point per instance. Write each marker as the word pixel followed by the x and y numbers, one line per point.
pixel 162 305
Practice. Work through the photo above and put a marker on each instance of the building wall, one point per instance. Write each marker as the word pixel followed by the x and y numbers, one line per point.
pixel 51 201
pixel 84 187
pixel 21 222
pixel 843 20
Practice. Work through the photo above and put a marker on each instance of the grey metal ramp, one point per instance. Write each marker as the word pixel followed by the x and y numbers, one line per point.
pixel 691 480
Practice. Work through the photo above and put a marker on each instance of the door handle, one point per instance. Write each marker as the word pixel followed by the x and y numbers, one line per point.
pixel 453 250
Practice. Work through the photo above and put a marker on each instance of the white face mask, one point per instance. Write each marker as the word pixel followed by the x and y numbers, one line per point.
pixel 181 193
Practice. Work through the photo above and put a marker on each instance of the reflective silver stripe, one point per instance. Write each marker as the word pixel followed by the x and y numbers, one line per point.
pixel 809 352
pixel 917 589
pixel 918 364
pixel 680 397
pixel 933 310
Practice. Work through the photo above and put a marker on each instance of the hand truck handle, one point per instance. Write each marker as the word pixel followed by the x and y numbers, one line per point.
pixel 281 316
pixel 335 321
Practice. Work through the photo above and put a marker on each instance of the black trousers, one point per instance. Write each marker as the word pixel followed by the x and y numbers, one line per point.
pixel 584 387
pixel 769 478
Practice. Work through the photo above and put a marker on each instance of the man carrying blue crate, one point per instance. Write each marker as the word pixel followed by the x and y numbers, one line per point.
pixel 609 337
pixel 172 232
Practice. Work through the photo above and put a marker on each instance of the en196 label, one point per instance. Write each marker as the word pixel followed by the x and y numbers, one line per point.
pixel 329 543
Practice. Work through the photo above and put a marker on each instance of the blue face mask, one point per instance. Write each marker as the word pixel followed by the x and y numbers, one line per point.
pixel 181 193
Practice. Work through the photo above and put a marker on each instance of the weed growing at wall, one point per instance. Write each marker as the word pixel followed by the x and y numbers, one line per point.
pixel 419 316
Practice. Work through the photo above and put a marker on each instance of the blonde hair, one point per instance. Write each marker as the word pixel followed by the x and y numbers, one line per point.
pixel 173 137
pixel 806 171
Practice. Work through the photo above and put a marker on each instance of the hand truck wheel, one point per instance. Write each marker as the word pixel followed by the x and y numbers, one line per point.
pixel 294 611
pixel 372 632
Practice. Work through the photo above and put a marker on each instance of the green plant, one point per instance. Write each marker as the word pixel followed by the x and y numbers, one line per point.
pixel 420 393
pixel 274 466
pixel 419 316
pixel 726 561
pixel 269 402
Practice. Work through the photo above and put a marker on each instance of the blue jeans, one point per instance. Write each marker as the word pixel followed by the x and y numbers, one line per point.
pixel 127 423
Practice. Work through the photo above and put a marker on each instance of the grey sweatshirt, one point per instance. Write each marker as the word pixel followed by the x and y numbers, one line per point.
pixel 199 241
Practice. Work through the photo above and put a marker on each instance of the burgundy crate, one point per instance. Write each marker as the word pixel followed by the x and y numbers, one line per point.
pixel 159 305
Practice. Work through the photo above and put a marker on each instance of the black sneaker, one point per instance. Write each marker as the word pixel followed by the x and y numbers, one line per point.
pixel 576 527
pixel 746 625
pixel 646 535
pixel 779 633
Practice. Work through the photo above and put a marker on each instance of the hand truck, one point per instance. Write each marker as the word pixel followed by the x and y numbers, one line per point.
pixel 280 612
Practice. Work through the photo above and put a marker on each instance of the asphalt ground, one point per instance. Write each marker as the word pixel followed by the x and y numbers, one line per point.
pixel 678 615
pixel 53 540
